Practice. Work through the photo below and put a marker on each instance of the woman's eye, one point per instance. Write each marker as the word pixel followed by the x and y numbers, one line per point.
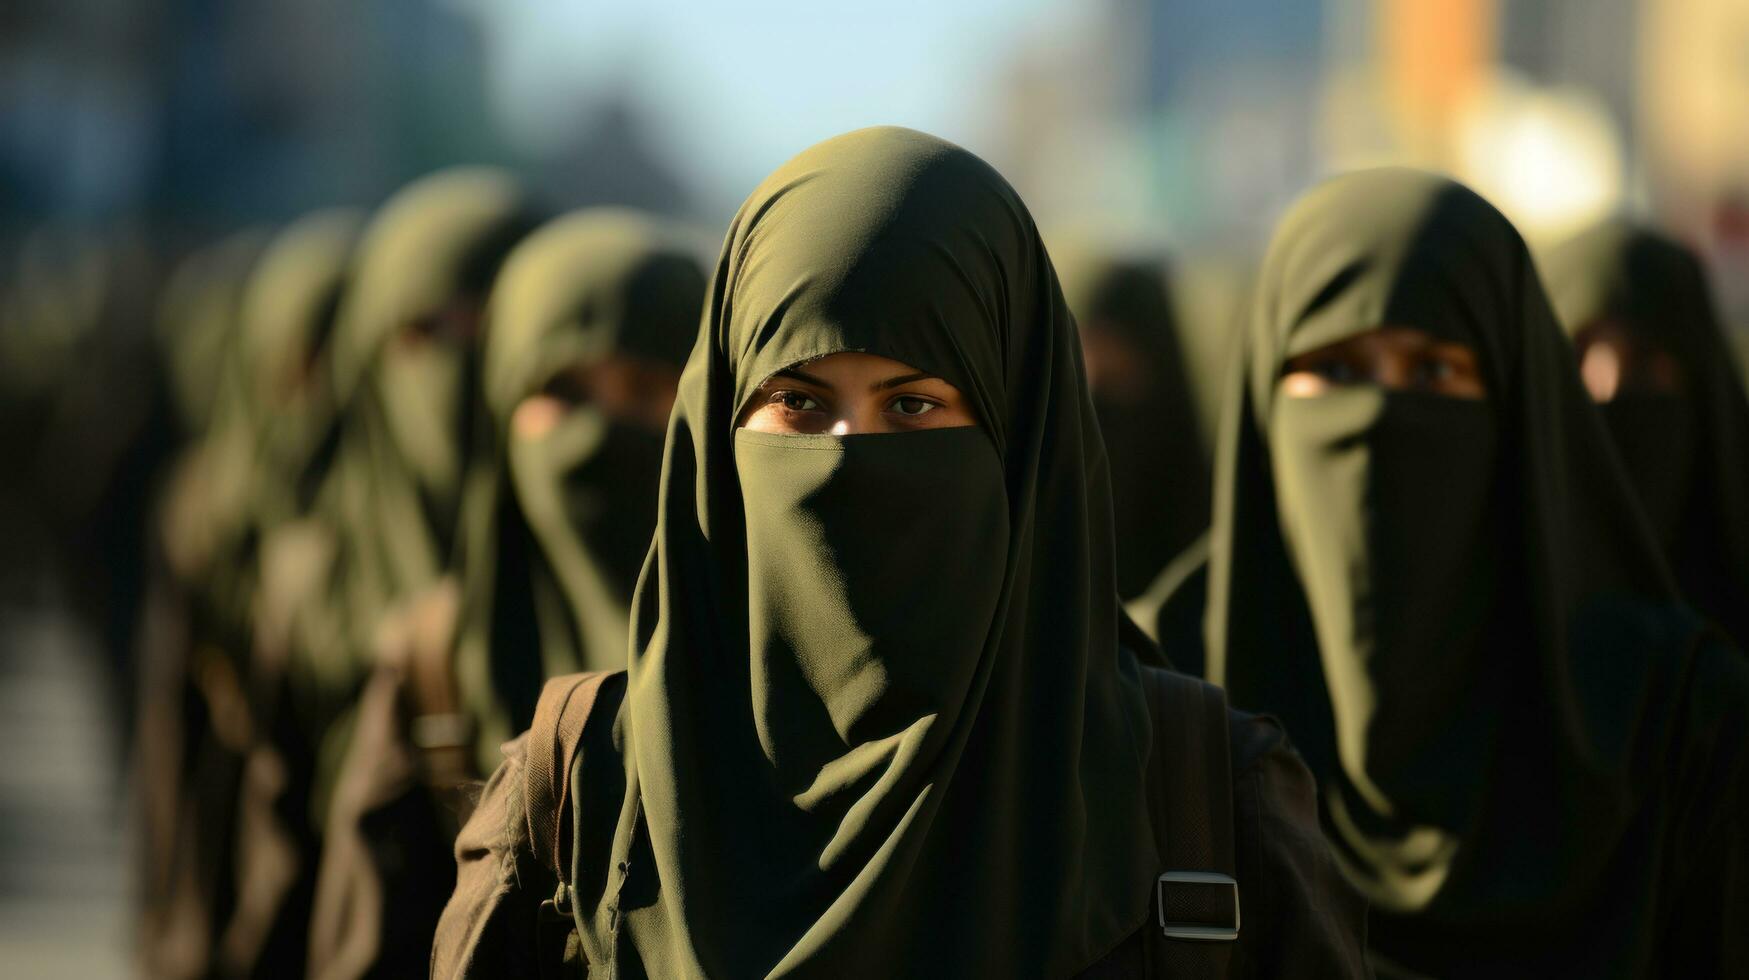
pixel 1337 372
pixel 1435 372
pixel 908 405
pixel 795 401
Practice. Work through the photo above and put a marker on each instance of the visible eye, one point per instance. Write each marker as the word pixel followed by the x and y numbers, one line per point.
pixel 1434 371
pixel 1337 371
pixel 795 401
pixel 913 406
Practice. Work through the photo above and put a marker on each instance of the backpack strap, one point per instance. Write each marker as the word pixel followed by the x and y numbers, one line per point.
pixel 1190 785
pixel 441 731
pixel 564 708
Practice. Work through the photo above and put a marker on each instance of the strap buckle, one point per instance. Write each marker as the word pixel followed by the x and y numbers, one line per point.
pixel 1205 894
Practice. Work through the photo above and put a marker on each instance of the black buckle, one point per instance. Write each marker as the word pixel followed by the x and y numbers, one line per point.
pixel 1217 931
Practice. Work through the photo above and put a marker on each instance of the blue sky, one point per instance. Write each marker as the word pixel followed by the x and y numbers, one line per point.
pixel 732 88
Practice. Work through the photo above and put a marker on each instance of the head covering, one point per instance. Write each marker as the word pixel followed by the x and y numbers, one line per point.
pixel 1455 605
pixel 197 319
pixel 1159 469
pixel 877 711
pixel 427 258
pixel 557 526
pixel 1687 452
pixel 288 311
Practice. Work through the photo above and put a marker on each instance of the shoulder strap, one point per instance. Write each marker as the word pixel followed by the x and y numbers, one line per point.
pixel 1190 782
pixel 443 734
pixel 559 718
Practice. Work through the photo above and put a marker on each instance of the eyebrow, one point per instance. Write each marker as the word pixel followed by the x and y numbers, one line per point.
pixel 903 379
pixel 803 377
pixel 893 382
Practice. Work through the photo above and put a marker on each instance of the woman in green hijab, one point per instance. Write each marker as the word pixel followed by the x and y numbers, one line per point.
pixel 1147 415
pixel 1656 360
pixel 1427 561
pixel 883 715
pixel 587 328
pixel 403 367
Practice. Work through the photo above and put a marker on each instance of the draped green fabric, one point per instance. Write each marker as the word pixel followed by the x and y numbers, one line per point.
pixel 1159 468
pixel 287 316
pixel 1687 453
pixel 197 319
pixel 556 527
pixel 206 509
pixel 1456 605
pixel 878 718
pixel 407 405
pixel 405 374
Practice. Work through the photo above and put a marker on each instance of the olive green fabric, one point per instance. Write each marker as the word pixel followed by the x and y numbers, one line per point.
pixel 1458 610
pixel 288 314
pixel 1687 453
pixel 197 319
pixel 557 525
pixel 878 718
pixel 426 261
pixel 1159 468
pixel 405 372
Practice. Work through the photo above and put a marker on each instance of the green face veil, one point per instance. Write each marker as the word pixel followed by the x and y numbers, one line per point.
pixel 1159 476
pixel 1687 453
pixel 557 524
pixel 1455 605
pixel 427 259
pixel 877 711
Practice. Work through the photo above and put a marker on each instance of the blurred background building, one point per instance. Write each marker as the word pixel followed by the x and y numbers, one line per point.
pixel 155 125
pixel 1191 121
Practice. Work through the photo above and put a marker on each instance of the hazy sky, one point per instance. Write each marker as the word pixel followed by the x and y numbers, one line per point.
pixel 732 88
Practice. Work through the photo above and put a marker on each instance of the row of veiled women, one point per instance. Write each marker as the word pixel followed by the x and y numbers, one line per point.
pixel 1375 497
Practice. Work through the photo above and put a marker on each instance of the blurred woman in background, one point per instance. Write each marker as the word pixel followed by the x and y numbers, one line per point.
pixel 586 330
pixel 1655 358
pixel 403 366
pixel 1138 376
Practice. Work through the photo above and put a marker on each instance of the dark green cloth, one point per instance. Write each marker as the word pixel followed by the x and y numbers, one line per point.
pixel 1530 754
pixel 878 718
pixel 1159 467
pixel 1687 453
pixel 288 316
pixel 404 366
pixel 407 403
pixel 557 527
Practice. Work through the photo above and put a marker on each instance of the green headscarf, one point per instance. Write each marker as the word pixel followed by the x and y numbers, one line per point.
pixel 878 717
pixel 288 311
pixel 557 526
pixel 197 320
pixel 1687 453
pixel 1159 469
pixel 408 409
pixel 1455 605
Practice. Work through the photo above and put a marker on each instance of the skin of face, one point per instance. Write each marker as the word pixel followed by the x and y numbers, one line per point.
pixel 854 394
pixel 1612 359
pixel 635 390
pixel 1391 357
